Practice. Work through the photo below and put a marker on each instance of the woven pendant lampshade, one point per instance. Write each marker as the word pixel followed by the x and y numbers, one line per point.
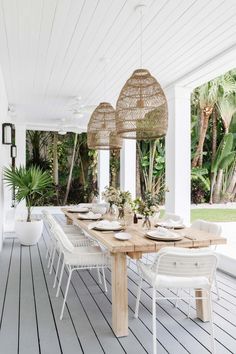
pixel 102 129
pixel 141 109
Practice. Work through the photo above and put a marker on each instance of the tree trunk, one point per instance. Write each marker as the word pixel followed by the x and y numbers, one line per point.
pixel 152 151
pixel 232 185
pixel 214 133
pixel 55 164
pixel 71 170
pixel 205 114
pixel 138 177
pixel 213 181
pixel 218 185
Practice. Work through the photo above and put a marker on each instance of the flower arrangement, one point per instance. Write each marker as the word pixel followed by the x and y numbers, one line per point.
pixel 121 199
pixel 147 207
pixel 111 195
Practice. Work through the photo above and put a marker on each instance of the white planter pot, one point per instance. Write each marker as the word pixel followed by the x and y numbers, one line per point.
pixel 29 233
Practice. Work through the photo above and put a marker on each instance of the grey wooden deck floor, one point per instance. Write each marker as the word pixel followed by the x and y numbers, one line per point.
pixel 29 322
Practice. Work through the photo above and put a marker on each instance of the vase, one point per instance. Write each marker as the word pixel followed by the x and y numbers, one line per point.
pixel 111 211
pixel 146 223
pixel 121 216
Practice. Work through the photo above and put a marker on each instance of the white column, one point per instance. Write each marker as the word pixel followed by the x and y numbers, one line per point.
pixel 178 152
pixel 103 171
pixel 128 167
pixel 21 144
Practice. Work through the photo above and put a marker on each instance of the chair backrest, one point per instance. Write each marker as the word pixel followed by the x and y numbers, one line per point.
pixel 61 237
pixel 172 216
pixel 207 226
pixel 182 262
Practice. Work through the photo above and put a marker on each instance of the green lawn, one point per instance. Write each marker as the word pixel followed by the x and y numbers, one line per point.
pixel 211 214
pixel 214 214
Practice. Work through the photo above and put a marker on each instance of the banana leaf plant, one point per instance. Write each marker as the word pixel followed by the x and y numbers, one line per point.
pixel 223 159
pixel 31 184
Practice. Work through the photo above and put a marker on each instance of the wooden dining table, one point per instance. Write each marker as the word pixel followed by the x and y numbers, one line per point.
pixel 135 248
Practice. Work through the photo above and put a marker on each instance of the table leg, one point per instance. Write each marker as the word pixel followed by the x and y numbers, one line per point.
pixel 202 305
pixel 69 221
pixel 119 295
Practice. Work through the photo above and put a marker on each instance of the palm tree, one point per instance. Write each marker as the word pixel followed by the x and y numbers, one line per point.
pixel 227 108
pixel 71 169
pixel 224 157
pixel 207 96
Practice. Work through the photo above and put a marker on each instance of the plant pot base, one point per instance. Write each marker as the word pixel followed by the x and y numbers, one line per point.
pixel 29 233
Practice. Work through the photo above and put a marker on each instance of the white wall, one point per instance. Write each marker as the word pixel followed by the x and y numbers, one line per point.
pixel 4 153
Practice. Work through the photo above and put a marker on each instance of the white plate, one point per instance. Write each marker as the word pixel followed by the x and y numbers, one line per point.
pixel 170 226
pixel 108 228
pixel 79 210
pixel 170 237
pixel 89 216
pixel 123 236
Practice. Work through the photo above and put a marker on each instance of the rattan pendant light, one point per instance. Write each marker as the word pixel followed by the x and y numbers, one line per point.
pixel 141 109
pixel 102 129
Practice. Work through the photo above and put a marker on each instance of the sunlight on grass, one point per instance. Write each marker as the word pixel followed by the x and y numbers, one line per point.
pixel 214 214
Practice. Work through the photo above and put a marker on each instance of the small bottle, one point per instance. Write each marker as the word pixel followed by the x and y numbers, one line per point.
pixel 135 218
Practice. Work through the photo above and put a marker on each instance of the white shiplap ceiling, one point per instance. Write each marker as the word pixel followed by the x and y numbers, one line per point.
pixel 50 50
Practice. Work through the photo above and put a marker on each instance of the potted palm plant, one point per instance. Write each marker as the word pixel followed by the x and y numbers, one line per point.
pixel 30 185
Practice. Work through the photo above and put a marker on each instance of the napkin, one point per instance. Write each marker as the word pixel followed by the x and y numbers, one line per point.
pixel 162 231
pixel 103 223
pixel 89 215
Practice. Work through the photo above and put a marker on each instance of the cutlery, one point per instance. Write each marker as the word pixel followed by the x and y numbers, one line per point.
pixel 190 238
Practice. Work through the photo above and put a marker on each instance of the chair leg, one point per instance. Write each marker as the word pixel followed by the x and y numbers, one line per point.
pixel 52 261
pixel 212 325
pixel 104 279
pixel 154 329
pixel 59 283
pixel 178 294
pixel 66 292
pixel 99 276
pixel 50 255
pixel 58 263
pixel 138 298
pixel 217 288
pixel 189 302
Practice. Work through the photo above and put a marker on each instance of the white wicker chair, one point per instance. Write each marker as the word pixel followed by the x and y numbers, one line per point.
pixel 75 258
pixel 76 236
pixel 179 268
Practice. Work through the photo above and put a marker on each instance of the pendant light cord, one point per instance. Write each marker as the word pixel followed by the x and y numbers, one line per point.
pixel 104 79
pixel 141 37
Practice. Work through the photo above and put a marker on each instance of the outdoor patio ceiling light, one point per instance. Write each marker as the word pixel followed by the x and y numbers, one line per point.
pixel 102 125
pixel 141 109
pixel 7 131
pixel 102 129
pixel 62 132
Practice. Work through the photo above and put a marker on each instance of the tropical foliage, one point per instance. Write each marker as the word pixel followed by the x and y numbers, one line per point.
pixel 31 184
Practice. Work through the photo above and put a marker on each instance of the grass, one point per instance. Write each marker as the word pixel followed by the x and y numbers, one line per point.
pixel 217 215
pixel 214 214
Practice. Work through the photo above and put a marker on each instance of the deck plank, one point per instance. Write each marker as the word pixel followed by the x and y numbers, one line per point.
pixel 28 341
pixel 9 328
pixel 49 341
